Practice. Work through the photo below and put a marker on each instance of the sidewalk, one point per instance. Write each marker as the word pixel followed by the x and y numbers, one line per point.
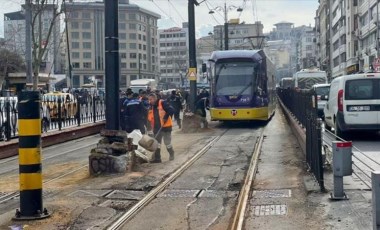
pixel 286 196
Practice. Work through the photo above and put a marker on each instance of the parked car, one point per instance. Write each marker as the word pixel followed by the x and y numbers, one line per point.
pixel 353 103
pixel 68 104
pixel 322 91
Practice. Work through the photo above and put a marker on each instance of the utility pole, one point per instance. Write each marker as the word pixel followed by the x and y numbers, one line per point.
pixel 112 70
pixel 68 48
pixel 192 54
pixel 28 43
pixel 225 27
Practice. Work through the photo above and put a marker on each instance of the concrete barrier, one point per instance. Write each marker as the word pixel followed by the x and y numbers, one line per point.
pixel 10 148
pixel 297 130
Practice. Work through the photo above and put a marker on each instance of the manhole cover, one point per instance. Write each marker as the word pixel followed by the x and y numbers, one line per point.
pixel 217 193
pixel 270 210
pixel 88 193
pixel 126 195
pixel 179 193
pixel 277 193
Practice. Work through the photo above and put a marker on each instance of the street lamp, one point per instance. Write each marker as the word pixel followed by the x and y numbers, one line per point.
pixel 225 10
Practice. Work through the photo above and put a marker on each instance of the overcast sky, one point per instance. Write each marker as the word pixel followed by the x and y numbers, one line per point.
pixel 174 12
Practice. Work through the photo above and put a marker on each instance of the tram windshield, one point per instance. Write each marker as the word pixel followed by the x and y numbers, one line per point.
pixel 236 78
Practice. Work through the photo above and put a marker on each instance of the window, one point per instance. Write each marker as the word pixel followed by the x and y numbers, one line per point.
pixel 86 35
pixel 132 36
pixel 86 25
pixel 75 35
pixel 86 55
pixel 122 45
pixel 122 16
pixel 76 81
pixel 122 36
pixel 361 89
pixel 75 54
pixel 133 55
pixel 132 17
pixel 122 26
pixel 74 25
pixel 74 14
pixel 133 65
pixel 123 65
pixel 140 46
pixel 75 65
pixel 75 45
pixel 139 36
pixel 86 15
pixel 132 46
pixel 144 47
pixel 123 81
pixel 309 47
pixel 87 65
pixel 123 55
pixel 132 26
pixel 86 45
pixel 144 38
pixel 133 77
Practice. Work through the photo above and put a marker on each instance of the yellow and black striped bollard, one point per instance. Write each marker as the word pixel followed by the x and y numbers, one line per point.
pixel 30 170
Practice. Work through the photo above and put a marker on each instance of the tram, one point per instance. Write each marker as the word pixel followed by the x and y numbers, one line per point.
pixel 242 85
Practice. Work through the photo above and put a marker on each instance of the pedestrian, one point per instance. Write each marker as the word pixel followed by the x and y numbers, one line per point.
pixel 135 114
pixel 175 102
pixel 144 99
pixel 160 125
pixel 202 94
pixel 123 120
pixel 122 98
pixel 200 109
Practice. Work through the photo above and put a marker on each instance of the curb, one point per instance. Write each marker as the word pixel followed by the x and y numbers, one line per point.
pixel 10 148
pixel 296 128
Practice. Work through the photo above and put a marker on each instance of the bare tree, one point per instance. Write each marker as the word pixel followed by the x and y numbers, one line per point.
pixel 42 29
pixel 9 62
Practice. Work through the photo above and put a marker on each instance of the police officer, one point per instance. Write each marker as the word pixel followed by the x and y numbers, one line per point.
pixel 135 114
pixel 160 125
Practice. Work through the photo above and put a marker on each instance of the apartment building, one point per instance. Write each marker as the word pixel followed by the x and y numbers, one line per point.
pixel 240 35
pixel 14 36
pixel 322 24
pixel 138 43
pixel 174 55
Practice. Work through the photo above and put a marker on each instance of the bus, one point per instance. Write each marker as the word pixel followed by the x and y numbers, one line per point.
pixel 242 85
pixel 306 78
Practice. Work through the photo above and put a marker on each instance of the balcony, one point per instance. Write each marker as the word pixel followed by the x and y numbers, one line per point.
pixel 342 48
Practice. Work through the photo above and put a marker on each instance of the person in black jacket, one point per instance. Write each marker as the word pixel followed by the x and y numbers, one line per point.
pixel 176 102
pixel 200 110
pixel 135 114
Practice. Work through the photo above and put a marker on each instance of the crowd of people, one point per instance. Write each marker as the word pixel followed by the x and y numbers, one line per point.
pixel 153 114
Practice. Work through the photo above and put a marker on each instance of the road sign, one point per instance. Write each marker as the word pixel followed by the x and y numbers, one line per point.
pixel 192 74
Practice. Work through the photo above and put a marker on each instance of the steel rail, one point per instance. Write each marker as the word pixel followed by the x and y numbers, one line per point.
pixel 238 220
pixel 361 178
pixel 13 195
pixel 151 195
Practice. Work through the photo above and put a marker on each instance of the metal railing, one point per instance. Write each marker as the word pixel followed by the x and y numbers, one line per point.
pixel 303 106
pixel 57 113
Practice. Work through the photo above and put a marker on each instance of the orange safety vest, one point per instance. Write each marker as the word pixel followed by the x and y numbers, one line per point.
pixel 161 113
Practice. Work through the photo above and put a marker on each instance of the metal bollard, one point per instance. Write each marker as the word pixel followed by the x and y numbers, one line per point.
pixel 376 199
pixel 30 170
pixel 342 166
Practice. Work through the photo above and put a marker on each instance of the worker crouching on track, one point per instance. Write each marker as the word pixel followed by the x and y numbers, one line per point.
pixel 160 122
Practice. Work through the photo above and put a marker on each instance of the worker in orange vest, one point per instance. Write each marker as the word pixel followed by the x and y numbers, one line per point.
pixel 160 122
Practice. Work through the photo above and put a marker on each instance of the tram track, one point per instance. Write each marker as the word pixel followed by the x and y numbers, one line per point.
pixel 13 195
pixel 243 197
pixel 126 216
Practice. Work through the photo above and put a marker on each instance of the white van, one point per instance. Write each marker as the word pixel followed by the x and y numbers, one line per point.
pixel 353 103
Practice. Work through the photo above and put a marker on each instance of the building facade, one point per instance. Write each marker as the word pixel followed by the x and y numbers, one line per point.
pixel 240 35
pixel 174 55
pixel 138 43
pixel 14 36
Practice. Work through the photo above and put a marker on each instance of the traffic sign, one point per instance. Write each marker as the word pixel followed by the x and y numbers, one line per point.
pixel 192 74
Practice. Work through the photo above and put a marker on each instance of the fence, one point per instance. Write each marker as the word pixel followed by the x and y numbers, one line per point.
pixel 57 112
pixel 303 105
